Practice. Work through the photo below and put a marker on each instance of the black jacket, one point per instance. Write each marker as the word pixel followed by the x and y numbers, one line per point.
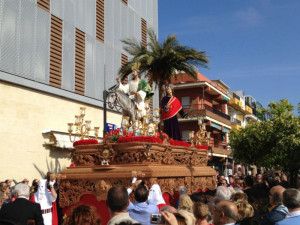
pixel 22 210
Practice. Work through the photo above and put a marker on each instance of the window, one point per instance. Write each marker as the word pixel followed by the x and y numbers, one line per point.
pixel 79 62
pixel 185 102
pixel 100 20
pixel 55 52
pixel 144 32
pixel 44 4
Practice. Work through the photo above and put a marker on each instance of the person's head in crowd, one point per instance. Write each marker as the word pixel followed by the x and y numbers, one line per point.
pixel 185 203
pixel 239 196
pixel 1 198
pixel 276 195
pixel 8 182
pixel 141 193
pixel 22 190
pixel 83 215
pixel 155 194
pixel 168 208
pixel 221 177
pixel 185 218
pixel 291 199
pixel 6 191
pixel 201 212
pixel 225 212
pixel 245 210
pixel 25 181
pixel 231 179
pixel 248 181
pixel 223 182
pixel 117 199
pixel 223 193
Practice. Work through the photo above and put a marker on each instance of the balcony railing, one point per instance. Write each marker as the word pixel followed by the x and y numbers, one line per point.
pixel 236 96
pixel 235 121
pixel 207 107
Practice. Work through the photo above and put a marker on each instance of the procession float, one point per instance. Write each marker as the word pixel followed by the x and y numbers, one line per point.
pixel 138 150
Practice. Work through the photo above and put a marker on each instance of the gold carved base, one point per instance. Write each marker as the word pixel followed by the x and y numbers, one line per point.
pixel 169 166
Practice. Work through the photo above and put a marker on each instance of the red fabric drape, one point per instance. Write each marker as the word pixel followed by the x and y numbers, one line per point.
pixel 175 105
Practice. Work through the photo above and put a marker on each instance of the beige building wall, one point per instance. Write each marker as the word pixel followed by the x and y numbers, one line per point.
pixel 24 114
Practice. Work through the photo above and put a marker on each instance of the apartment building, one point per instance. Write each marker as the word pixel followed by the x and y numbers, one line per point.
pixel 207 99
pixel 55 57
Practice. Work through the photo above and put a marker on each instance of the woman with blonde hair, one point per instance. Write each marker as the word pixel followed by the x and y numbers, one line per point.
pixel 186 203
pixel 245 212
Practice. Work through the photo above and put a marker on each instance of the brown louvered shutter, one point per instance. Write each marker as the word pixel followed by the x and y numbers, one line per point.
pixel 44 4
pixel 55 52
pixel 100 20
pixel 79 62
pixel 144 32
pixel 125 2
pixel 124 59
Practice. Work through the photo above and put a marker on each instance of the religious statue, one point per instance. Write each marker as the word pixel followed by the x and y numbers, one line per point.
pixel 137 88
pixel 170 107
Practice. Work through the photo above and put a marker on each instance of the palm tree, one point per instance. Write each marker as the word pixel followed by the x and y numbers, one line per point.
pixel 161 61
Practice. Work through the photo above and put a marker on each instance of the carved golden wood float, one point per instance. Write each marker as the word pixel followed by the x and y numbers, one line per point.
pixel 169 166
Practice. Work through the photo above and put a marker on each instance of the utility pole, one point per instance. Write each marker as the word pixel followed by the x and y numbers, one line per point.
pixel 105 93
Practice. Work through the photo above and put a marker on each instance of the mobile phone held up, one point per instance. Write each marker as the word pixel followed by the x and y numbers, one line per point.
pixel 157 219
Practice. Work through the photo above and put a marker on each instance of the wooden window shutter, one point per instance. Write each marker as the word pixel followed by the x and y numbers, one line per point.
pixel 100 20
pixel 79 62
pixel 55 52
pixel 125 2
pixel 124 59
pixel 144 32
pixel 44 4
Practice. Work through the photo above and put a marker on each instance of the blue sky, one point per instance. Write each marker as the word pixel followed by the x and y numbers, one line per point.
pixel 253 45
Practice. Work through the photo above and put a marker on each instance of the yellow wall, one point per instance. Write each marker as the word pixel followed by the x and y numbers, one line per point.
pixel 24 114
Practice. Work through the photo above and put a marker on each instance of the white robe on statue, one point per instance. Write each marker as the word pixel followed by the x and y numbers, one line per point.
pixel 141 95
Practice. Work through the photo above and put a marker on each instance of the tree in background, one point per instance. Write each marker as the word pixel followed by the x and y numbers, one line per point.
pixel 273 143
pixel 161 61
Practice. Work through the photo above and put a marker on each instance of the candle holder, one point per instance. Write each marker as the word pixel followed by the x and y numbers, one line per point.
pixel 82 130
pixel 201 137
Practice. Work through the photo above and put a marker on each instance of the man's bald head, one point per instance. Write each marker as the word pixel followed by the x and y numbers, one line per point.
pixel 276 194
pixel 225 212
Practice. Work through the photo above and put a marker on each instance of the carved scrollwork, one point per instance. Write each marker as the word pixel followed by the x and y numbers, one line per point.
pixel 84 160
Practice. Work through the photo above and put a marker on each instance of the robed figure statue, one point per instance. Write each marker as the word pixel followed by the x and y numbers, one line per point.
pixel 170 107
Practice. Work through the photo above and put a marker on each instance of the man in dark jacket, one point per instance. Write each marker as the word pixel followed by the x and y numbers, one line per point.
pixel 22 211
pixel 277 211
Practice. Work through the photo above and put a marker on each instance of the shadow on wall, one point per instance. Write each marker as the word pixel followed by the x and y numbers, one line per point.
pixel 51 167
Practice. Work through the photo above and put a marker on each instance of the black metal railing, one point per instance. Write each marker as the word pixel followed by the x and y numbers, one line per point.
pixel 235 121
pixel 207 107
pixel 236 96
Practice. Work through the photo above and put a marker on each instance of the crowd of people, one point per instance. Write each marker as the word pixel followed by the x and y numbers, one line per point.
pixel 259 200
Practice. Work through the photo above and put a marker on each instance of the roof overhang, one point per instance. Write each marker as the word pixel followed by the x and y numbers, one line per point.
pixel 200 84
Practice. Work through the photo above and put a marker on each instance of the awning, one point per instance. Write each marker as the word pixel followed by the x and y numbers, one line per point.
pixel 225 130
pixel 216 126
pixel 227 99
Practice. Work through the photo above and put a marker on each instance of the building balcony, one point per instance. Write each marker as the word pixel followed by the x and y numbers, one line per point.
pixel 197 110
pixel 235 121
pixel 248 110
pixel 236 103
pixel 236 126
